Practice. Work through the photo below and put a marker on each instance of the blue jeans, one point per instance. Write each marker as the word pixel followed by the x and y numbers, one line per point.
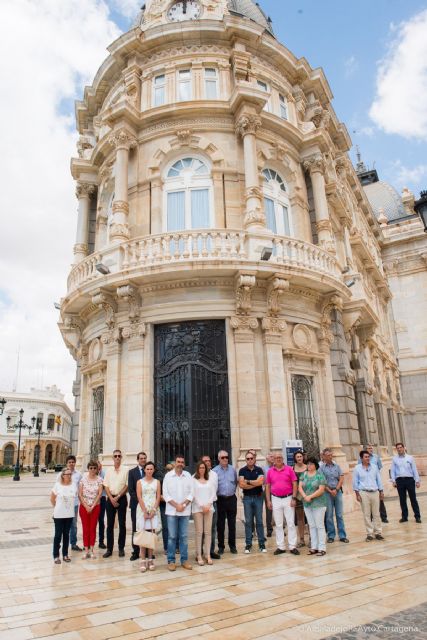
pixel 335 503
pixel 73 530
pixel 252 506
pixel 178 529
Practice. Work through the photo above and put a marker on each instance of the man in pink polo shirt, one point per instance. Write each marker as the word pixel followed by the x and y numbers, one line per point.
pixel 281 490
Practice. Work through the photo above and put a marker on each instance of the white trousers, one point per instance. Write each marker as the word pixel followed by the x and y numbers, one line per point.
pixel 316 522
pixel 282 510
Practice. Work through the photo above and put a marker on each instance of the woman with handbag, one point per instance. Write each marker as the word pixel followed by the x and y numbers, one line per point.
pixel 148 494
pixel 204 494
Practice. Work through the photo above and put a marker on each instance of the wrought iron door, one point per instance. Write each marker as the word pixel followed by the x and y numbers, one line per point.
pixel 305 423
pixel 190 391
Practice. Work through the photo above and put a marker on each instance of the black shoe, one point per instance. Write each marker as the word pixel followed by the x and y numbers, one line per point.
pixel 134 556
pixel 378 536
pixel 121 553
pixel 269 534
pixel 294 552
pixel 215 556
pixel 403 520
pixel 344 540
pixel 221 550
pixel 278 552
pixel 75 547
pixel 107 554
pixel 331 540
pixel 233 550
pixel 248 548
pixel 102 545
pixel 418 520
pixel 369 538
pixel 385 521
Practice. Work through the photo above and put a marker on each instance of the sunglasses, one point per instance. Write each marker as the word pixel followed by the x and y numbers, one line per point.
pixel 224 457
pixel 94 468
pixel 117 456
pixel 250 458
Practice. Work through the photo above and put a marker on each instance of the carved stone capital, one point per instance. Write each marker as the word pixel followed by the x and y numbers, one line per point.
pixel 244 328
pixel 119 231
pixel 120 206
pixel 130 294
pixel 244 285
pixel 254 217
pixel 85 190
pixel 253 192
pixel 135 332
pixel 248 124
pixel 276 287
pixel 81 249
pixel 106 301
pixel 122 139
pixel 273 329
pixel 315 164
pixel 324 225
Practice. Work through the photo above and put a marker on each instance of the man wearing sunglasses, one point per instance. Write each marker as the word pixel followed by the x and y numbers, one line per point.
pixel 116 486
pixel 227 502
pixel 251 480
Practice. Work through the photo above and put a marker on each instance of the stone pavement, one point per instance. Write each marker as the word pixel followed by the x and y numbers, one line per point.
pixel 256 596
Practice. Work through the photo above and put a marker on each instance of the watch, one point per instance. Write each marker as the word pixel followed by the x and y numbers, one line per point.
pixel 184 10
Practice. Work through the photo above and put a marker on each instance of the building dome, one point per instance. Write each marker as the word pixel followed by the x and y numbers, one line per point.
pixel 384 199
pixel 243 8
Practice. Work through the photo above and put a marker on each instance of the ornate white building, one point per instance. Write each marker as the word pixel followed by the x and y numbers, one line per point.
pixel 53 419
pixel 228 287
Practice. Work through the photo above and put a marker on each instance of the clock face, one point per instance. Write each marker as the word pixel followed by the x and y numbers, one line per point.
pixel 184 10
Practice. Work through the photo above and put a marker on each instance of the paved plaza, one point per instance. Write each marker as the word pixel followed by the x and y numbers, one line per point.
pixel 256 596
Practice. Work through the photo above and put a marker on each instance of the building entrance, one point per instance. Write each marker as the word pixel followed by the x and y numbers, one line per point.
pixel 191 391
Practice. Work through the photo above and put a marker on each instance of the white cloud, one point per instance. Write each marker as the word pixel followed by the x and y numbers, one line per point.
pixel 409 176
pixel 400 105
pixel 351 65
pixel 49 50
pixel 128 8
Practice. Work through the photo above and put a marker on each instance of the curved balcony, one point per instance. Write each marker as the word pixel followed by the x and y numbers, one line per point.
pixel 214 249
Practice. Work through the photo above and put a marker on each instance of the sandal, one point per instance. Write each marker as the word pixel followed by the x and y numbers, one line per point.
pixel 209 561
pixel 200 562
pixel 321 553
pixel 143 566
pixel 300 544
pixel 57 560
pixel 151 566
pixel 86 556
pixel 312 552
pixel 66 559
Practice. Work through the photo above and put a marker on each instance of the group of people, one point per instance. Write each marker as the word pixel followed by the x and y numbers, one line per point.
pixel 310 491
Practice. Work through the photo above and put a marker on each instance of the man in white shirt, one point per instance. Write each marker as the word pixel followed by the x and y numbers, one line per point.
pixel 178 495
pixel 116 486
pixel 76 476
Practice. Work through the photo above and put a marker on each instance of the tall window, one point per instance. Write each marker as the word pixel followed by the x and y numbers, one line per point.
pixel 305 423
pixel 159 90
pixel 380 424
pixel 283 107
pixel 51 422
pixel 276 204
pixel 188 192
pixel 264 87
pixel 184 85
pixel 97 439
pixel 211 84
pixel 9 455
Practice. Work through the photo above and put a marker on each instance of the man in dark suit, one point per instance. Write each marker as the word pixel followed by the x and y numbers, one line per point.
pixel 135 474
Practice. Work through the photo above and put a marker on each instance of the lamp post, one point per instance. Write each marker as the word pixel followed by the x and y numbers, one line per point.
pixel 421 208
pixel 37 460
pixel 19 425
pixel 2 403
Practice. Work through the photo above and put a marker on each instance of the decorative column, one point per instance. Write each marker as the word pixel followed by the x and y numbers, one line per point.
pixel 315 165
pixel 273 330
pixel 84 191
pixel 247 126
pixel 123 141
pixel 244 338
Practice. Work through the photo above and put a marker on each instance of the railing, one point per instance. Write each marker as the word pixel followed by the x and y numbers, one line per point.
pixel 173 248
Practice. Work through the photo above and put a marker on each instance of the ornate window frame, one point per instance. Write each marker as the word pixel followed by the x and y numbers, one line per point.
pixel 276 191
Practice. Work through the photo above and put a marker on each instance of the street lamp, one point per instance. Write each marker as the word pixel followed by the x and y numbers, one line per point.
pixel 2 403
pixel 37 460
pixel 421 208
pixel 19 425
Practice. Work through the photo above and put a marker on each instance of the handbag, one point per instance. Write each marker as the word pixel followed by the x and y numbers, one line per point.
pixel 145 539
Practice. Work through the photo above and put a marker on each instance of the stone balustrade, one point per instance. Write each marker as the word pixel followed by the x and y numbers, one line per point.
pixel 220 246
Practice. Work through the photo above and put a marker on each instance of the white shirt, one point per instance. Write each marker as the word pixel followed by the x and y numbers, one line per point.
pixel 204 493
pixel 65 496
pixel 179 489
pixel 75 480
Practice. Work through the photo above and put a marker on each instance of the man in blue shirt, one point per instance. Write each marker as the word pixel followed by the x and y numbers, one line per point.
pixel 367 484
pixel 375 459
pixel 334 480
pixel 227 502
pixel 405 477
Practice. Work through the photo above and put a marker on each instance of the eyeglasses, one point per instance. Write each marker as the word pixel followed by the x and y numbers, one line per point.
pixel 117 455
pixel 224 458
pixel 96 468
pixel 250 458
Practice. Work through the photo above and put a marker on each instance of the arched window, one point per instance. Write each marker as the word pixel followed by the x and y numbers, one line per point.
pixel 276 203
pixel 188 196
pixel 9 455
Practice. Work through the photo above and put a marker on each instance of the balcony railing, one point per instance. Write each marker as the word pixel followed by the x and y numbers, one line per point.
pixel 214 245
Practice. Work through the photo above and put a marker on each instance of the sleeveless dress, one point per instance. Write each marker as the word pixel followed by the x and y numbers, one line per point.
pixel 149 494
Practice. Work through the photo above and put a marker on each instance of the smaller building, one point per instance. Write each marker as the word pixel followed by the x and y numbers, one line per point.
pixel 53 418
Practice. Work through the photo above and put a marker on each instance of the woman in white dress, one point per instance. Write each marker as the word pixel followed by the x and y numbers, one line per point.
pixel 148 494
pixel 204 494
